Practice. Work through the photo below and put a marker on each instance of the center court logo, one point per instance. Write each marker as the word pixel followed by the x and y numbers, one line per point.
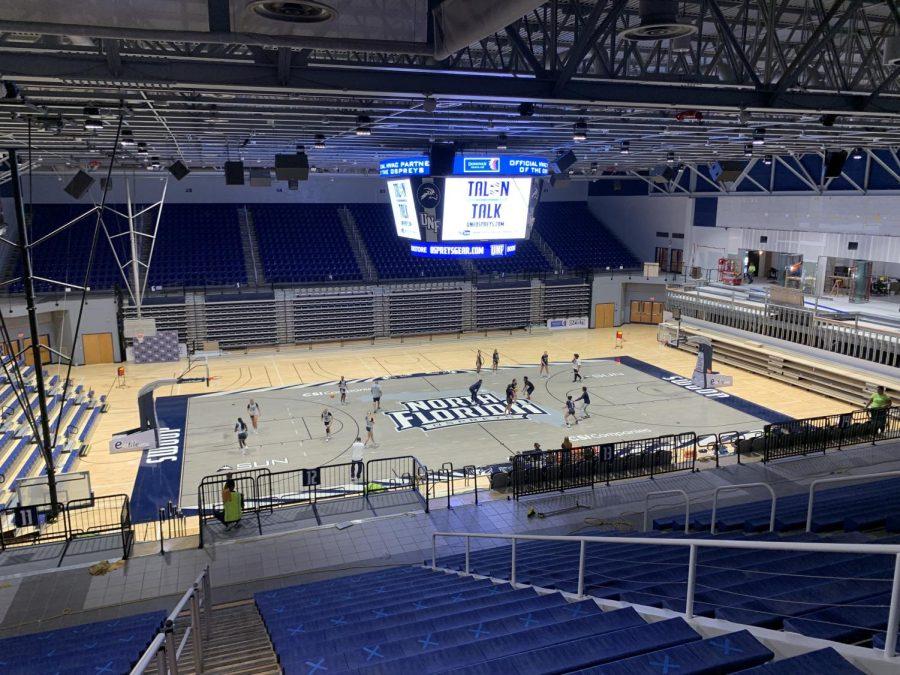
pixel 440 413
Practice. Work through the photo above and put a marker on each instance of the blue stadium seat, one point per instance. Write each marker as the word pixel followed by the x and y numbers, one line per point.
pixel 303 243
pixel 812 663
pixel 104 648
pixel 389 253
pixel 722 654
pixel 579 239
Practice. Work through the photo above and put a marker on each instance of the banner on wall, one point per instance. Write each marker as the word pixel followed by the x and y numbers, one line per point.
pixel 567 323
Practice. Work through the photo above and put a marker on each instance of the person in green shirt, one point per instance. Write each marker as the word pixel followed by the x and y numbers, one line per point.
pixel 878 405
pixel 232 506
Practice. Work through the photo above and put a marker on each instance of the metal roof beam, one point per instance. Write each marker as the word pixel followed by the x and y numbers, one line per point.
pixel 91 70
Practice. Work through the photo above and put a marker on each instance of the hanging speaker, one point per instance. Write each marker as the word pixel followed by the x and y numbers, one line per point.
pixel 292 167
pixel 79 184
pixel 565 160
pixel 234 173
pixel 179 170
pixel 441 158
pixel 834 162
pixel 260 176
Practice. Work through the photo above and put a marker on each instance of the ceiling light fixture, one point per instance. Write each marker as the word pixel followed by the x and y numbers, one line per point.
pixel 767 159
pixel 857 153
pixel 579 132
pixel 625 147
pixel 363 127
pixel 319 143
pixel 502 142
pixel 759 136
pixel 748 150
pixel 670 157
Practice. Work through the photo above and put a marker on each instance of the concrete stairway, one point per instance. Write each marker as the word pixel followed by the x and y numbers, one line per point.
pixel 544 248
pixel 239 644
pixel 252 261
pixel 363 261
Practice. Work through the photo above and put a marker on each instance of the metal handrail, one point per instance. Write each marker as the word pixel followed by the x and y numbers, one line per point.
pixel 694 545
pixel 659 493
pixel 838 479
pixel 712 526
pixel 163 649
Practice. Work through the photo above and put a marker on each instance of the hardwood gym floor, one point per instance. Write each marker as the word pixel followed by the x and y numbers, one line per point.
pixel 115 473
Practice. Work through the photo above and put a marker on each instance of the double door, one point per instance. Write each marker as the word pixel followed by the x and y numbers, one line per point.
pixel 645 311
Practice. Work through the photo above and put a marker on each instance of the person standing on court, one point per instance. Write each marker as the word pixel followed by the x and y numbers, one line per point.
pixel 510 398
pixel 241 430
pixel 376 395
pixel 545 365
pixel 570 411
pixel 253 411
pixel 576 368
pixel 370 430
pixel 473 392
pixel 529 387
pixel 479 361
pixel 342 387
pixel 357 451
pixel 327 417
pixel 232 506
pixel 585 399
pixel 495 361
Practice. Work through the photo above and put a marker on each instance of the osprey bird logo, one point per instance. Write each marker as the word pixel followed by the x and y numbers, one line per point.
pixel 428 195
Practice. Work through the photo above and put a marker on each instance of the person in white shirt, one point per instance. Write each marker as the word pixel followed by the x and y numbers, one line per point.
pixel 370 430
pixel 376 395
pixel 576 368
pixel 327 417
pixel 342 387
pixel 253 411
pixel 357 451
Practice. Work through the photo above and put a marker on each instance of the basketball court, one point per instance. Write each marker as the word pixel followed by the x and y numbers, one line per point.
pixel 429 416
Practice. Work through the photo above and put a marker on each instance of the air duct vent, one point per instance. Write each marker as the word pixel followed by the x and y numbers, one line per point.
pixel 659 21
pixel 298 11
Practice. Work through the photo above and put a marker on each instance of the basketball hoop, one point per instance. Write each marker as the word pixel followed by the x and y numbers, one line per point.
pixel 139 338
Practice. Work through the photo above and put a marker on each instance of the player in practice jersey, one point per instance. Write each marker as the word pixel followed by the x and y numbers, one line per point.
pixel 545 365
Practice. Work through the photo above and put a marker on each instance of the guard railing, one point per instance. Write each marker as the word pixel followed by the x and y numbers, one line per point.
pixel 694 545
pixel 165 650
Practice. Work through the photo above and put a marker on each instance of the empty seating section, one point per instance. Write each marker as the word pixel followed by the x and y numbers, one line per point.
pixel 579 239
pixel 64 256
pixel 201 245
pixel 303 243
pixel 104 647
pixel 527 259
pixel 20 456
pixel 198 245
pixel 412 620
pixel 842 597
pixel 389 253
pixel 849 507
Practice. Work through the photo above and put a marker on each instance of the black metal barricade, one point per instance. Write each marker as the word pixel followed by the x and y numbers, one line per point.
pixel 78 518
pixel 209 496
pixel 560 470
pixel 798 438
pixel 264 491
